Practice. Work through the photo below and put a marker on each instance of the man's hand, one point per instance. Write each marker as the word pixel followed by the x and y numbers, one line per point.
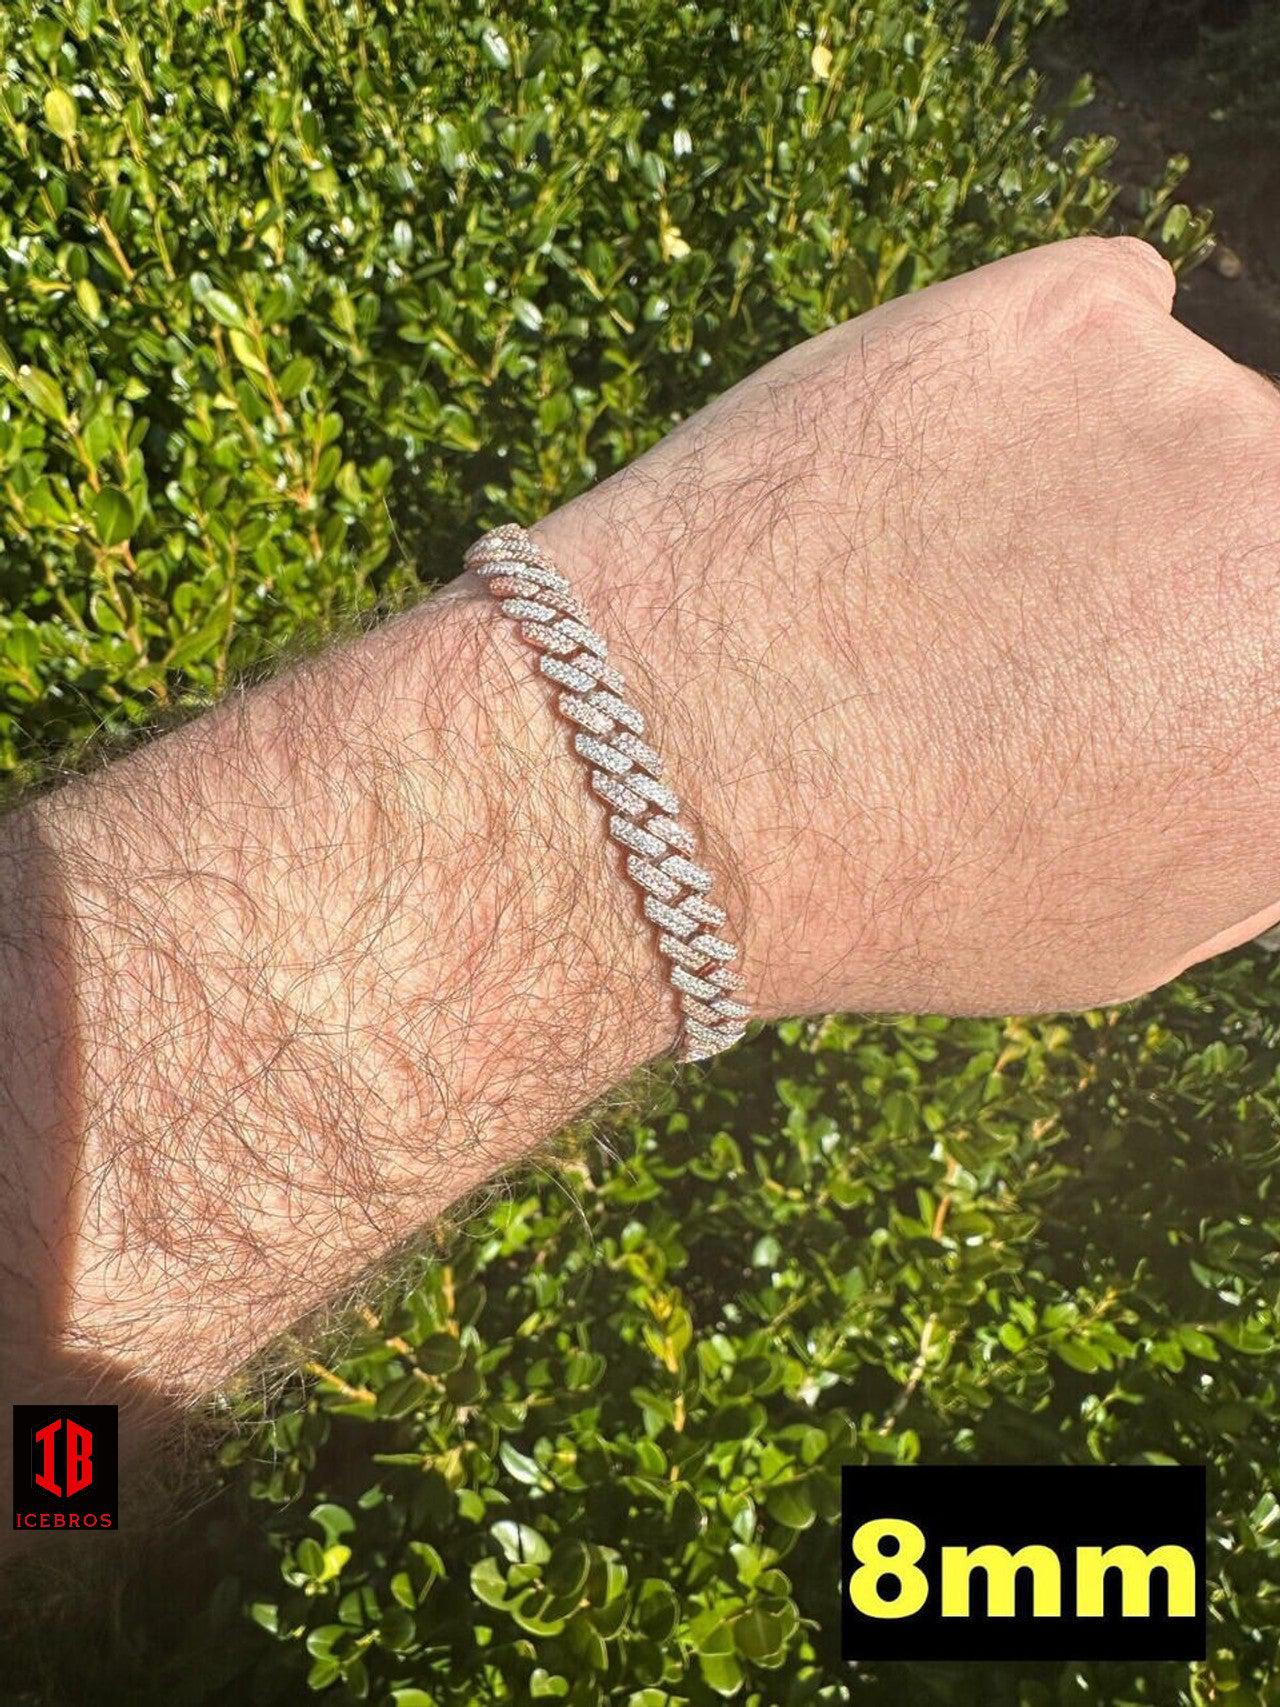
pixel 965 620
pixel 957 626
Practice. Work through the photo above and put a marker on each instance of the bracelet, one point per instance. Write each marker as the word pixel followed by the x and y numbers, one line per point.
pixel 626 774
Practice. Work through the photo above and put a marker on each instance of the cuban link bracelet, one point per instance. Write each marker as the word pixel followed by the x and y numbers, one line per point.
pixel 626 774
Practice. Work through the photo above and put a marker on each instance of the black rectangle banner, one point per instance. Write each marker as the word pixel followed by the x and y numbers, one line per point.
pixel 65 1471
pixel 1023 1562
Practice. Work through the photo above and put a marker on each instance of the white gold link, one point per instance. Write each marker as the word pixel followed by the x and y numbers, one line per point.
pixel 583 674
pixel 603 754
pixel 686 872
pixel 652 878
pixel 692 985
pixel 638 751
pixel 570 628
pixel 714 947
pixel 618 710
pixel 702 1041
pixel 674 833
pixel 551 579
pixel 694 1009
pixel 516 587
pixel 706 912
pixel 622 798
pixel 670 918
pixel 666 799
pixel 626 774
pixel 529 609
pixel 679 951
pixel 568 675
pixel 632 836
pixel 727 978
pixel 550 636
pixel 584 714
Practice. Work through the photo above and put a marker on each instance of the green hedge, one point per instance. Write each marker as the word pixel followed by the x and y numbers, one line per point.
pixel 592 1454
pixel 297 296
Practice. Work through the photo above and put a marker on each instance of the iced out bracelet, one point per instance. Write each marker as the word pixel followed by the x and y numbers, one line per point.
pixel 626 773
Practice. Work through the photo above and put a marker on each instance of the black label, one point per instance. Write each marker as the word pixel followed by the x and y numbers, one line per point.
pixel 1023 1562
pixel 65 1471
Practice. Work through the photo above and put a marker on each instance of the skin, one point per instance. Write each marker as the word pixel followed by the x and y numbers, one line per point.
pixel 957 626
pixel 972 608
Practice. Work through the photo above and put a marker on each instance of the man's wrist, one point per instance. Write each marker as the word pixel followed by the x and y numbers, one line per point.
pixel 338 951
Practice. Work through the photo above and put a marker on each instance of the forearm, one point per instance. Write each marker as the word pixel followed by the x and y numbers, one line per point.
pixel 284 984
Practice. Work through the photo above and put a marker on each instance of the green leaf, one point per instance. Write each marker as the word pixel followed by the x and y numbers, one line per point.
pixel 711 1634
pixel 657 1610
pixel 457 429
pixel 400 1398
pixel 336 1555
pixel 46 36
pixel 321 1640
pixel 1176 222
pixel 61 113
pixel 495 49
pixel 334 1520
pixel 791 1503
pixel 397 1630
pixel 225 310
pixel 520 1543
pixel 112 515
pixel 449 147
pixel 200 643
pixel 539 1613
pixel 1198 1343
pixel 759 1635
pixel 88 298
pixel 517 1464
pixel 266 1614
pixel 44 391
pixel 429 1557
pixel 295 377
pixel 488 1583
pixel 438 1354
pixel 1077 1355
pixel 722 1672
pixel 542 52
pixel 323 1673
pixel 245 349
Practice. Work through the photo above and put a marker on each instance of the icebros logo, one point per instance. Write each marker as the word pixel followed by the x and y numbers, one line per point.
pixel 1024 1562
pixel 64 1467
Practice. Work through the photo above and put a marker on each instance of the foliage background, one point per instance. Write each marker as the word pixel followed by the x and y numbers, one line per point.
pixel 296 297
pixel 1209 72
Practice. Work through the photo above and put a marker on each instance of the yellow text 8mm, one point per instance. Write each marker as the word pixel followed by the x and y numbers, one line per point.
pixel 1023 1561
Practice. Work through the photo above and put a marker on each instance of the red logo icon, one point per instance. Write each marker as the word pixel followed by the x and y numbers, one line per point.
pixel 78 1457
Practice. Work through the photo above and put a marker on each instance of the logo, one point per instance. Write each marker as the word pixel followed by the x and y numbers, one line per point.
pixel 65 1473
pixel 1023 1562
